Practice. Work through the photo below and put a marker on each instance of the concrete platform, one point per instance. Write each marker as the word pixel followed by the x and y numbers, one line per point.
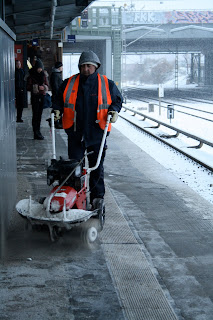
pixel 153 260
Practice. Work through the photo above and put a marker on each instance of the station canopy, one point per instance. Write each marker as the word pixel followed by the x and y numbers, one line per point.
pixel 44 19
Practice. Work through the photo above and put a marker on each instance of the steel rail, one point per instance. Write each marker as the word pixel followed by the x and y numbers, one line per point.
pixel 191 95
pixel 196 100
pixel 188 114
pixel 190 135
pixel 162 138
pixel 179 105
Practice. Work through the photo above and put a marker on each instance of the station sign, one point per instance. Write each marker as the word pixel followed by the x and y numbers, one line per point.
pixel 71 38
pixel 170 111
pixel 35 42
pixel 160 91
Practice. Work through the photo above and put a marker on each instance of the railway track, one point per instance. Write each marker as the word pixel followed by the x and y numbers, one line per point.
pixel 155 132
pixel 198 95
pixel 164 104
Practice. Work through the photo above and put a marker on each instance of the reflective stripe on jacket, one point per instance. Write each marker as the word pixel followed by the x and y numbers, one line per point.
pixel 70 97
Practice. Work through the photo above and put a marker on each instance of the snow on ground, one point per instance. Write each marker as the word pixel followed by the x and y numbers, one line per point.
pixel 191 173
pixel 192 124
pixel 182 80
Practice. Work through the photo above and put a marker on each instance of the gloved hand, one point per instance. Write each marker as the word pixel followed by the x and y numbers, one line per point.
pixel 114 115
pixel 57 115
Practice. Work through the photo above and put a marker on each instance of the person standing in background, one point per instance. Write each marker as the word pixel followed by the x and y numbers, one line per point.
pixel 56 79
pixel 19 90
pixel 38 85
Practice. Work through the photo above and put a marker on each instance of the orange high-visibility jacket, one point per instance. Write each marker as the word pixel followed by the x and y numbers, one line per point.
pixel 70 96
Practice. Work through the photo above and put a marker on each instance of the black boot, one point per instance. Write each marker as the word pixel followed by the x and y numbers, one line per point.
pixel 38 135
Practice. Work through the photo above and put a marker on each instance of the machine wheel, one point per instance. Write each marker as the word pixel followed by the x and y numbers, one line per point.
pixel 92 234
pixel 89 234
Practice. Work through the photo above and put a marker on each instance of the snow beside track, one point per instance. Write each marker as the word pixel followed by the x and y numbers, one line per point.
pixel 191 173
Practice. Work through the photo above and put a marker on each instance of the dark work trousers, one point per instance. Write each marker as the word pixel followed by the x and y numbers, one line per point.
pixel 37 109
pixel 76 151
pixel 19 103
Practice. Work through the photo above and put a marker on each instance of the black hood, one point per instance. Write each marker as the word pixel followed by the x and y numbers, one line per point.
pixel 39 64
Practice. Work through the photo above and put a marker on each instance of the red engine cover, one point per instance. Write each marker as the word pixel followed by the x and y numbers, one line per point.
pixel 65 193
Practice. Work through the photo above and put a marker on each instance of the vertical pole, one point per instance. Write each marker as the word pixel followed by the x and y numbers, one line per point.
pixel 123 79
pixel 117 57
pixel 205 69
pixel 199 69
pixel 192 68
pixel 108 66
pixel 159 106
pixel 160 95
pixel 2 233
pixel 3 10
pixel 53 135
pixel 176 70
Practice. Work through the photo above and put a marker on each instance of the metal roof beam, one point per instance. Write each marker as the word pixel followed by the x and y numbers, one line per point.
pixel 21 15
pixel 52 17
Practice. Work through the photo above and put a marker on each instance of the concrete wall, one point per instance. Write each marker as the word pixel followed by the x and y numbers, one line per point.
pixel 49 54
pixel 7 129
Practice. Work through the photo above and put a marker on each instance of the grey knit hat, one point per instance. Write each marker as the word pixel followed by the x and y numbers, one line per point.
pixel 89 57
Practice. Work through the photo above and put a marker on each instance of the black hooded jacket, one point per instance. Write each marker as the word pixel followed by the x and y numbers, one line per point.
pixel 86 107
pixel 19 79
pixel 37 79
pixel 55 82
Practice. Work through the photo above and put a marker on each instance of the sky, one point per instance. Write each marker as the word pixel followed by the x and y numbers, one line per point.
pixel 166 5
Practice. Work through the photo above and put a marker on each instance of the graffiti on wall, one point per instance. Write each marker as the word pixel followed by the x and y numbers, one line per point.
pixel 190 17
pixel 173 17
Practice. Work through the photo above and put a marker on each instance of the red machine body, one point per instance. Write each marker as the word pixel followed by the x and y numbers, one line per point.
pixel 73 199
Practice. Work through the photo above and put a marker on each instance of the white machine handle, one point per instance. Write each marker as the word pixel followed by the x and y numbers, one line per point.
pixel 53 135
pixel 102 145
